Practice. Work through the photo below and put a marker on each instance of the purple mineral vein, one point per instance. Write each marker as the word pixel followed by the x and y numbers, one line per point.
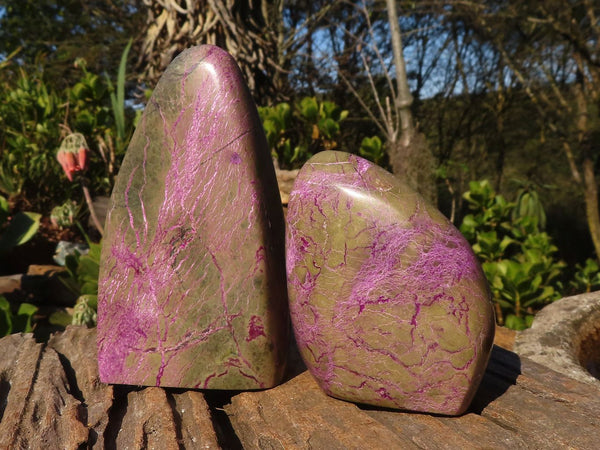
pixel 400 271
pixel 183 239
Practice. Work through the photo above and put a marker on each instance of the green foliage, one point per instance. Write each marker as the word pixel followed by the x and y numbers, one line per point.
pixel 19 229
pixel 528 204
pixel 21 322
pixel 587 277
pixel 518 323
pixel 81 277
pixel 31 114
pixel 372 149
pixel 88 102
pixel 518 259
pixel 117 99
pixel 86 311
pixel 34 118
pixel 63 216
pixel 295 133
pixel 277 123
pixel 325 118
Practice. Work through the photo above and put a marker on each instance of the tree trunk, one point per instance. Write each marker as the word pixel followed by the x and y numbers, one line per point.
pixel 246 29
pixel 403 98
pixel 591 203
pixel 409 153
pixel 590 188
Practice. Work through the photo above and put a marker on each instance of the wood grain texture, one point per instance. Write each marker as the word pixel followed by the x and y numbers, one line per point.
pixel 519 404
pixel 51 397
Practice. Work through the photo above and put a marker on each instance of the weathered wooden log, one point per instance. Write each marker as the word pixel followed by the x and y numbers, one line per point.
pixel 40 285
pixel 520 404
pixel 51 397
pixel 38 409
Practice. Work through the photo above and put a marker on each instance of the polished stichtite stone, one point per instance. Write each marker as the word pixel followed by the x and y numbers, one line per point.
pixel 389 304
pixel 192 289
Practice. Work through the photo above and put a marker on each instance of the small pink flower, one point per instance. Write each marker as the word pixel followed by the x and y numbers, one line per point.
pixel 82 158
pixel 68 163
pixel 73 162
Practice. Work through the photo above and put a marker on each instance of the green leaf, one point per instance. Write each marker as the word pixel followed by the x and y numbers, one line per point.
pixel 72 263
pixel 4 209
pixel 118 100
pixel 60 318
pixel 21 229
pixel 529 320
pixel 329 127
pixel 85 121
pixel 270 129
pixel 88 268
pixel 6 324
pixel 372 149
pixel 283 114
pixel 309 109
pixel 78 91
pixel 505 303
pixel 515 323
pixel 469 226
pixel 24 317
pixel 89 288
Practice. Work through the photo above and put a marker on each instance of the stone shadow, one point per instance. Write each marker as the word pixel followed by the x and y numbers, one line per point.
pixel 502 372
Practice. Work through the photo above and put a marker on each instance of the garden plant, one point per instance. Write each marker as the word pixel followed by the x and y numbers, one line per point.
pixel 481 133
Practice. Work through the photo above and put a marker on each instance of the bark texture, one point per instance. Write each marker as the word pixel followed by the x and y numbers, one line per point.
pixel 247 29
pixel 51 397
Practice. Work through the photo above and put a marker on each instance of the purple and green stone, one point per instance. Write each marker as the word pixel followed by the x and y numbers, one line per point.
pixel 192 289
pixel 389 304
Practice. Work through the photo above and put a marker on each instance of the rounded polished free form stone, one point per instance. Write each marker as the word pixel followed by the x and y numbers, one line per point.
pixel 389 304
pixel 192 289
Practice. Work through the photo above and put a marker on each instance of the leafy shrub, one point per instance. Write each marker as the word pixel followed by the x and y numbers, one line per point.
pixel 81 277
pixel 35 117
pixel 14 231
pixel 372 149
pixel 19 322
pixel 295 133
pixel 586 277
pixel 31 114
pixel 19 229
pixel 517 257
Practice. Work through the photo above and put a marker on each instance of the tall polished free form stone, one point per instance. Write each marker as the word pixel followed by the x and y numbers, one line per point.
pixel 388 303
pixel 192 289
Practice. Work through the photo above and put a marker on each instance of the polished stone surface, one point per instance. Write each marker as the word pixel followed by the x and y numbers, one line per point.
pixel 388 303
pixel 192 289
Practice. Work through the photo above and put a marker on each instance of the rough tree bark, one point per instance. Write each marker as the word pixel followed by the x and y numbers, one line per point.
pixel 248 29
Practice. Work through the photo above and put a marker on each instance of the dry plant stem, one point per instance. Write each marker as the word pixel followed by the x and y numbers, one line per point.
pixel 88 200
